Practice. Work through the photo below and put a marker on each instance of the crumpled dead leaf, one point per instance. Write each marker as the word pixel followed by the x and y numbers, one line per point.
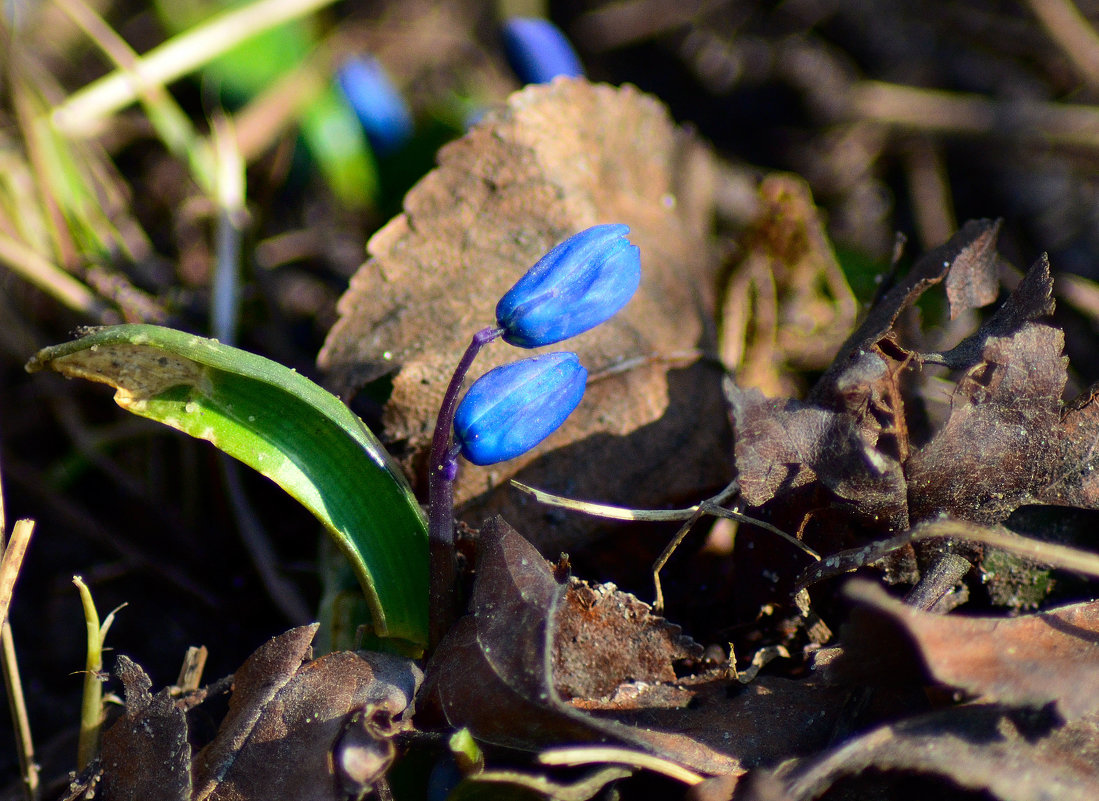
pixel 1005 443
pixel 1075 481
pixel 973 281
pixel 995 450
pixel 146 753
pixel 285 721
pixel 969 245
pixel 314 730
pixel 557 159
pixel 784 444
pixel 850 436
pixel 492 673
pixel 757 724
pixel 1029 733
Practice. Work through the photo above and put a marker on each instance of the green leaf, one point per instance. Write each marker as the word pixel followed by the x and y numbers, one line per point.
pixel 337 142
pixel 290 430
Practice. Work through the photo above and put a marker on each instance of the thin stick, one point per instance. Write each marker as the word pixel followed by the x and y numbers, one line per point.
pixel 719 511
pixel 17 702
pixel 12 562
pixel 28 767
pixel 665 555
pixel 1048 553
pixel 621 512
pixel 710 506
pixel 574 756
pixel 1072 33
pixel 934 110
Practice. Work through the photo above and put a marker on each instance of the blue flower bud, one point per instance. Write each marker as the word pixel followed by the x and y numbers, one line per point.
pixel 512 408
pixel 382 112
pixel 538 51
pixel 579 284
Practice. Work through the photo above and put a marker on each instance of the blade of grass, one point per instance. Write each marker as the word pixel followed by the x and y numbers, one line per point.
pixel 85 109
pixel 51 279
pixel 169 121
pixel 64 196
pixel 91 707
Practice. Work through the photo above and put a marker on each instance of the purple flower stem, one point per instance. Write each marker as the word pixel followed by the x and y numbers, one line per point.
pixel 442 469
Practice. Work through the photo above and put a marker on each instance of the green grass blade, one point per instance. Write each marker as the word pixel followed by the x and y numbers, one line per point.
pixel 290 430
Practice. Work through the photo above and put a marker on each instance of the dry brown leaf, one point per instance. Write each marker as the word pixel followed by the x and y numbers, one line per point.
pixel 761 723
pixel 593 622
pixel 1030 660
pixel 929 269
pixel 145 753
pixel 256 682
pixel 330 725
pixel 557 159
pixel 974 279
pixel 784 444
pixel 999 447
pixel 291 727
pixel 1075 481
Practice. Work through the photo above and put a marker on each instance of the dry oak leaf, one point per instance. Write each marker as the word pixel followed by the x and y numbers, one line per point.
pixel 555 160
pixel 1028 661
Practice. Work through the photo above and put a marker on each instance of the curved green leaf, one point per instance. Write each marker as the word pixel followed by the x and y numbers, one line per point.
pixel 290 430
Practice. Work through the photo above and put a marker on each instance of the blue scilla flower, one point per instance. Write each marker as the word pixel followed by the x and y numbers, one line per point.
pixel 512 408
pixel 538 51
pixel 382 111
pixel 579 284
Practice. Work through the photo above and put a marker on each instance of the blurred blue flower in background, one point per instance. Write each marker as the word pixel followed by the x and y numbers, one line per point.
pixel 579 284
pixel 538 51
pixel 382 111
pixel 512 408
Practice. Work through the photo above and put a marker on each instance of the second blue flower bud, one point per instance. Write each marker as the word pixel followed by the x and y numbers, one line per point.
pixel 512 408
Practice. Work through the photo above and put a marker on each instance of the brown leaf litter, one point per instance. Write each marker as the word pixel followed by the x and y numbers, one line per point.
pixel 295 728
